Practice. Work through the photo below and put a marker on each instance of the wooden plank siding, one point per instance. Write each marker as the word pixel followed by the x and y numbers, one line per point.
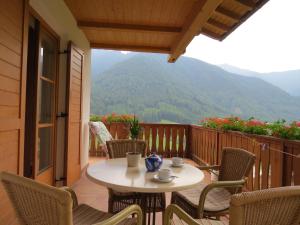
pixel 13 64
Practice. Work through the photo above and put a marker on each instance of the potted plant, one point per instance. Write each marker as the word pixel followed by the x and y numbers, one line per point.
pixel 134 157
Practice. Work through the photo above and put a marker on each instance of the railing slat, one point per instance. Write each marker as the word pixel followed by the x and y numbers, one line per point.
pixel 265 166
pixel 161 141
pixel 154 139
pixel 167 138
pixel 147 138
pixel 180 144
pixel 276 164
pixel 174 142
pixel 257 167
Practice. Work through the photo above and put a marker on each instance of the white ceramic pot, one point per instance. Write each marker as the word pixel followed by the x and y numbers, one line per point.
pixel 133 159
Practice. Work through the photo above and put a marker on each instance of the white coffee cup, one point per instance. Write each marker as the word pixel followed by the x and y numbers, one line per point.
pixel 177 161
pixel 164 174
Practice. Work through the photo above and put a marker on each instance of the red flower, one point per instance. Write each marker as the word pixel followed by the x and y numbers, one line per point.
pixel 297 124
pixel 255 123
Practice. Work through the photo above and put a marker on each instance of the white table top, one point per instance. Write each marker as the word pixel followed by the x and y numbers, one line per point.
pixel 115 174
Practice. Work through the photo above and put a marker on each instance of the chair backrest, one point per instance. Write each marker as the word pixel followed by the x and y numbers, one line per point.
pixel 37 203
pixel 236 164
pixel 119 148
pixel 279 206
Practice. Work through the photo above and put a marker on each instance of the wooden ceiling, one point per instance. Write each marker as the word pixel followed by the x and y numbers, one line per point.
pixel 163 26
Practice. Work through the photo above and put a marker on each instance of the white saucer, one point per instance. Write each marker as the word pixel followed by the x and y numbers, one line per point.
pixel 170 179
pixel 177 165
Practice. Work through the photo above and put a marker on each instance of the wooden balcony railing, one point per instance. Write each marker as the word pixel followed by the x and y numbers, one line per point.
pixel 167 140
pixel 273 167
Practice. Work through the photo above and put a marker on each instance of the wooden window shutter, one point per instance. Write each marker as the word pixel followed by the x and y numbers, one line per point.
pixel 74 110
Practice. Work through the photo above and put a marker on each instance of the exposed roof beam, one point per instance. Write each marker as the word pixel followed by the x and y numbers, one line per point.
pixel 229 14
pixel 127 27
pixel 211 34
pixel 202 11
pixel 219 25
pixel 136 48
pixel 249 4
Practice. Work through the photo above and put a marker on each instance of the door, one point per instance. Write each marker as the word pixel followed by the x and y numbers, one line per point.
pixel 46 107
pixel 74 111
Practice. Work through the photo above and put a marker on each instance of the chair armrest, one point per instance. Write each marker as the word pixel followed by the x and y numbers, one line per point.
pixel 174 209
pixel 124 214
pixel 217 184
pixel 73 195
pixel 209 167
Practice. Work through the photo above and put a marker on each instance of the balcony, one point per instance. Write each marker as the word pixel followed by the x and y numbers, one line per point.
pixel 203 146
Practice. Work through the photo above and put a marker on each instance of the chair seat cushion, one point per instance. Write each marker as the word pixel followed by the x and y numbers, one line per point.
pixel 177 221
pixel 117 193
pixel 216 200
pixel 211 222
pixel 86 215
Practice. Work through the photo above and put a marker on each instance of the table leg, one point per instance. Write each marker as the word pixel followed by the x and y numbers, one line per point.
pixel 144 207
pixel 149 205
pixel 154 209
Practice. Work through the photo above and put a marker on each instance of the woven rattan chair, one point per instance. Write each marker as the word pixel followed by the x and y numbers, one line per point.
pixel 117 201
pixel 276 206
pixel 212 200
pixel 37 204
pixel 119 148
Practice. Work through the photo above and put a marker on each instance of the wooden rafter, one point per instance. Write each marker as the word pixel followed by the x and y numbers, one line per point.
pixel 249 4
pixel 127 27
pixel 136 48
pixel 219 25
pixel 211 34
pixel 202 11
pixel 227 13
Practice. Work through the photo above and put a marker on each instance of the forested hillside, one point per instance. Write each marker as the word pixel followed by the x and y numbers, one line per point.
pixel 288 81
pixel 184 92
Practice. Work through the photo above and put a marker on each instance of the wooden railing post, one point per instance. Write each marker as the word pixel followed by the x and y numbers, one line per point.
pixel 188 137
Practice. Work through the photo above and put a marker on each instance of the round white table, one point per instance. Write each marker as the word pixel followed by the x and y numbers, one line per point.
pixel 114 174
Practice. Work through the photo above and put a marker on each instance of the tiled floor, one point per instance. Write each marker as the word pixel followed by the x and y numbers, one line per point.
pixel 97 196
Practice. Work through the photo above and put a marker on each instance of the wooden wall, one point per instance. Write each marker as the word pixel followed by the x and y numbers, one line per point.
pixel 13 56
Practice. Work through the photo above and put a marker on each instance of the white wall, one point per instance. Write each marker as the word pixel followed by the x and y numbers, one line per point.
pixel 57 15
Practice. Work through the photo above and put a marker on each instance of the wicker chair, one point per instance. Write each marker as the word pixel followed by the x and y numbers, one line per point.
pixel 37 204
pixel 279 206
pixel 117 201
pixel 212 200
pixel 119 148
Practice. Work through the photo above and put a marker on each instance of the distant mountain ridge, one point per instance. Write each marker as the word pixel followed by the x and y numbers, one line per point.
pixel 288 81
pixel 184 92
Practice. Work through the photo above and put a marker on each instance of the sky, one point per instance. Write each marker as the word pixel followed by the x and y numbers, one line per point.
pixel 268 41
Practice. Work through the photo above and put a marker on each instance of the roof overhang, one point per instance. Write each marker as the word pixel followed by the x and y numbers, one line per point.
pixel 161 26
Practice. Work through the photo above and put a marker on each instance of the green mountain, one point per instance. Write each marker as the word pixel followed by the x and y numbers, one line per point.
pixel 186 91
pixel 288 81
